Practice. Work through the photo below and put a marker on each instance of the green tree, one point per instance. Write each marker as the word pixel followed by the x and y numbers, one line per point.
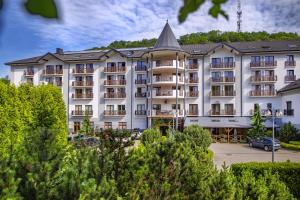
pixel 199 136
pixel 150 136
pixel 288 132
pixel 86 126
pixel 258 128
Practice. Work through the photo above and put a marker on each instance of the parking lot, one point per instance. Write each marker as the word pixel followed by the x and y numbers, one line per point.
pixel 238 153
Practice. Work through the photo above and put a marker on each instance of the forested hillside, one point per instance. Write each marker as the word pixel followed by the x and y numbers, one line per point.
pixel 211 36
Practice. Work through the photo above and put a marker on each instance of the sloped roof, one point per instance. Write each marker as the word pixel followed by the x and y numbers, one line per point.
pixel 167 40
pixel 291 86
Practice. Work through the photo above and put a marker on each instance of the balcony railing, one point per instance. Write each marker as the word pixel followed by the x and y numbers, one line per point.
pixel 193 66
pixel 290 63
pixel 82 112
pixel 222 112
pixel 58 83
pixel 263 64
pixel 192 80
pixel 141 68
pixel 141 94
pixel 28 73
pixel 263 112
pixel 167 79
pixel 115 82
pixel 222 65
pixel 83 71
pixel 82 83
pixel 112 95
pixel 289 112
pixel 115 69
pixel 166 63
pixel 262 93
pixel 192 94
pixel 192 113
pixel 223 79
pixel 141 81
pixel 289 78
pixel 83 96
pixel 50 72
pixel 114 112
pixel 140 112
pixel 166 113
pixel 225 93
pixel 168 93
pixel 263 78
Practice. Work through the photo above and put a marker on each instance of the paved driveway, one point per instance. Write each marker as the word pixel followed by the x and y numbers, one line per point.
pixel 237 153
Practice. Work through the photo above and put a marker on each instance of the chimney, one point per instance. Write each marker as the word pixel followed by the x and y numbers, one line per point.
pixel 59 51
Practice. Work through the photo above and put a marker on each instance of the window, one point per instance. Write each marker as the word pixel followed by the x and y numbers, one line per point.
pixel 121 64
pixel 256 105
pixel 269 107
pixel 121 77
pixel 141 63
pixel 290 57
pixel 140 76
pixel 76 127
pixel 215 109
pixel 79 68
pixel 193 61
pixel 30 81
pixel 216 60
pixel 140 107
pixel 50 67
pixel 193 88
pixel 49 80
pixel 174 106
pixel 290 73
pixel 228 59
pixel 156 107
pixel 121 107
pixel 269 59
pixel 229 109
pixel 90 66
pixel 107 125
pixel 111 64
pixel 110 107
pixel 122 125
pixel 59 68
pixel 193 109
pixel 228 74
pixel 89 109
pixel 289 105
pixel 255 59
pixel 58 81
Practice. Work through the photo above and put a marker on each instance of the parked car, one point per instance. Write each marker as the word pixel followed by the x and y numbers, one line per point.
pixel 265 143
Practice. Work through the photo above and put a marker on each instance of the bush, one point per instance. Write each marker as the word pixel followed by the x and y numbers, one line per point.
pixel 289 173
pixel 295 142
pixel 199 136
pixel 288 132
pixel 290 146
pixel 150 136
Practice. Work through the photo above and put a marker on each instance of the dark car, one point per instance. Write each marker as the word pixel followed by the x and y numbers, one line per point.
pixel 265 143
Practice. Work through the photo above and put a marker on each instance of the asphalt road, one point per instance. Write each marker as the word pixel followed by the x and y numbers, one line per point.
pixel 239 153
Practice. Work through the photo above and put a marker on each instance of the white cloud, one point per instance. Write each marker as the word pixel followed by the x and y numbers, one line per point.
pixel 89 23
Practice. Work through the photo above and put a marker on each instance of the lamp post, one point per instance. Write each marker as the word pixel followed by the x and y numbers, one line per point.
pixel 274 114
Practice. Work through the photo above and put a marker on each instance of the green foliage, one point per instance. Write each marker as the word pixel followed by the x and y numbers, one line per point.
pixel 258 128
pixel 295 147
pixel 86 126
pixel 4 80
pixel 150 136
pixel 190 6
pixel 288 132
pixel 45 8
pixel 295 142
pixel 289 173
pixel 199 136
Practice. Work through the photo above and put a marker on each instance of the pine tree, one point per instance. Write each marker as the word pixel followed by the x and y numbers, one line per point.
pixel 258 128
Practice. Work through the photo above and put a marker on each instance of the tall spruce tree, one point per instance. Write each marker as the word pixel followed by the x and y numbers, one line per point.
pixel 258 128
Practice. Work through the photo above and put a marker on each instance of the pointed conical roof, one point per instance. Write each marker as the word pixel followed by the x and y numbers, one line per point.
pixel 167 39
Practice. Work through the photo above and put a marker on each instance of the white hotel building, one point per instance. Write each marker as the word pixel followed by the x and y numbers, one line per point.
pixel 216 85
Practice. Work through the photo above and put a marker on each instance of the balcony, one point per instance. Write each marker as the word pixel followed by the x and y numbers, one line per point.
pixel 263 93
pixel 82 96
pixel 192 113
pixel 289 78
pixel 29 73
pixel 289 112
pixel 114 82
pixel 142 68
pixel 166 64
pixel 194 80
pixel 141 81
pixel 222 112
pixel 225 93
pixel 52 72
pixel 166 113
pixel 80 113
pixel 120 69
pixel 290 63
pixel 112 95
pixel 140 112
pixel 263 112
pixel 223 79
pixel 167 80
pixel 114 112
pixel 265 79
pixel 88 71
pixel 58 83
pixel 167 94
pixel 193 94
pixel 193 66
pixel 141 94
pixel 263 64
pixel 82 83
pixel 222 65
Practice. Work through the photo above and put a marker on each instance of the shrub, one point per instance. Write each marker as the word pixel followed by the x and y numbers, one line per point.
pixel 150 136
pixel 295 142
pixel 288 132
pixel 290 146
pixel 288 172
pixel 199 136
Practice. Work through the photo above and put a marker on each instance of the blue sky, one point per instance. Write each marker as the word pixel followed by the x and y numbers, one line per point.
pixel 88 23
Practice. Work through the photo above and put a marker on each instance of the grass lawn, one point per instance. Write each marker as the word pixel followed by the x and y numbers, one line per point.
pixel 292 145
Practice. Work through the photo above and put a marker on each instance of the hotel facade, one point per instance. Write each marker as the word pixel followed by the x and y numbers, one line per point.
pixel 215 85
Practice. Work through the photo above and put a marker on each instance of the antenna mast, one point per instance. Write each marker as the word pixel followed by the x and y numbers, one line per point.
pixel 239 16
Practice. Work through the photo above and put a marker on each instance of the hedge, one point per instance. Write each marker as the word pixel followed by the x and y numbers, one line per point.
pixel 290 146
pixel 295 142
pixel 288 172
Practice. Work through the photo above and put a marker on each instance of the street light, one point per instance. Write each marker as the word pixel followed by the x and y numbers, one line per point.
pixel 274 114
